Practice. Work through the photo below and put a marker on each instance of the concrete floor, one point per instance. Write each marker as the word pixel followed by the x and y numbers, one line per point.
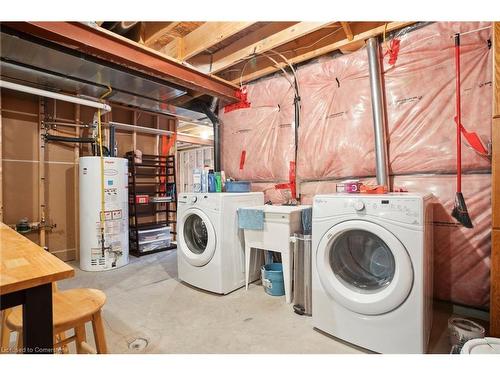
pixel 149 311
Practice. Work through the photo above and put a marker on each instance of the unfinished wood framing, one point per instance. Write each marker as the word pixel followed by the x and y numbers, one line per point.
pixel 222 59
pixel 202 38
pixel 155 30
pixel 41 170
pixel 316 52
pixel 495 190
pixel 56 200
pixel 347 30
pixel 1 164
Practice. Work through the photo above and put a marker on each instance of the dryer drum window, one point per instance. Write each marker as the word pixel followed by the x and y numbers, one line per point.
pixel 362 261
pixel 195 234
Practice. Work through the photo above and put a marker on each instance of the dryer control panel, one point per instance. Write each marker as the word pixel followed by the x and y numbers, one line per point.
pixel 404 209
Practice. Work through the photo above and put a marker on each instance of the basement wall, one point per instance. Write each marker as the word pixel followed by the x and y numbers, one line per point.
pixel 336 139
pixel 21 124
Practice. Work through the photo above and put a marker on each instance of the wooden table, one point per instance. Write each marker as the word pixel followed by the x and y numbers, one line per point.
pixel 26 275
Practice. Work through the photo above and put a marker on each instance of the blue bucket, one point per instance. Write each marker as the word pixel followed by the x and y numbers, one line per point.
pixel 272 279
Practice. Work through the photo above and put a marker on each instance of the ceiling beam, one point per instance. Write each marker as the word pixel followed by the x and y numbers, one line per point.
pixel 155 30
pixel 223 59
pixel 101 43
pixel 322 50
pixel 194 140
pixel 347 30
pixel 204 37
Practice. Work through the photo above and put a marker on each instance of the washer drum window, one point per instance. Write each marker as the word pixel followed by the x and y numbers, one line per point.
pixel 362 261
pixel 196 234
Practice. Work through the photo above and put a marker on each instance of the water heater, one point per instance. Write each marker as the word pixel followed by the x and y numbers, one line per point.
pixel 114 253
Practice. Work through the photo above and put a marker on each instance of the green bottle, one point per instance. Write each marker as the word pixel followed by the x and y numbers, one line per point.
pixel 218 182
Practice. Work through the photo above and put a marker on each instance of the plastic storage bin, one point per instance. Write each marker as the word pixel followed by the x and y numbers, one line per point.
pixel 162 233
pixel 302 277
pixel 238 186
pixel 272 279
pixel 146 246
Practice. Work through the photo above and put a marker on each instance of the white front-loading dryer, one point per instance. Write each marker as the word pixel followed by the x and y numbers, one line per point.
pixel 210 245
pixel 372 270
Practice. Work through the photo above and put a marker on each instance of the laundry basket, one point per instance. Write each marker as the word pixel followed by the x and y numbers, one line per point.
pixel 302 301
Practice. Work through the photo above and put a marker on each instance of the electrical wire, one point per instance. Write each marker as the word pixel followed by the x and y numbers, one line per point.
pixel 256 56
pixel 472 31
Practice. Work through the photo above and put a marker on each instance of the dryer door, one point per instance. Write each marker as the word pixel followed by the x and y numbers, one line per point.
pixel 364 267
pixel 196 236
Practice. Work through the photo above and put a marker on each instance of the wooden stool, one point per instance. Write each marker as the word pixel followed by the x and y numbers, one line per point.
pixel 72 309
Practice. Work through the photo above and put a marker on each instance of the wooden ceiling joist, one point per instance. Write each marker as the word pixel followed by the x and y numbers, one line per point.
pixel 222 59
pixel 155 30
pixel 194 140
pixel 202 38
pixel 347 30
pixel 357 38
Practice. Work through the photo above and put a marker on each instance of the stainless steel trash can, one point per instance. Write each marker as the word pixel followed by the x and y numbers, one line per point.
pixel 302 290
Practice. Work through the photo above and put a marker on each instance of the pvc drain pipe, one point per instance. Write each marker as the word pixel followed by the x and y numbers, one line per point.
pixel 54 95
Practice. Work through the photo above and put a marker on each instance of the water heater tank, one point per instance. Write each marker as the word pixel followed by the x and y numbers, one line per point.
pixel 114 254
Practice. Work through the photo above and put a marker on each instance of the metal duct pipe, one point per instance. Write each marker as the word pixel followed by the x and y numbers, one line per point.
pixel 216 123
pixel 378 112
pixel 200 106
pixel 54 95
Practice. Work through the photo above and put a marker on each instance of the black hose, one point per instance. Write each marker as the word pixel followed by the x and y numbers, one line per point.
pixel 57 138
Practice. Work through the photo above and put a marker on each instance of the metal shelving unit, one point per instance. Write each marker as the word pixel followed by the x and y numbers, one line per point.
pixel 155 177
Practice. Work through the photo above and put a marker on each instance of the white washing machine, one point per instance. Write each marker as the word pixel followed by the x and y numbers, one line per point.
pixel 372 270
pixel 210 246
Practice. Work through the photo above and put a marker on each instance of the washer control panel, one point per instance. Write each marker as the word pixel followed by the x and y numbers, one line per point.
pixel 405 209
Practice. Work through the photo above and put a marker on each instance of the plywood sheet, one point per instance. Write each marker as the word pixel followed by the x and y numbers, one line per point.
pixel 19 135
pixel 124 141
pixel 64 110
pixel 19 101
pixel 20 195
pixel 146 143
pixel 146 119
pixel 60 209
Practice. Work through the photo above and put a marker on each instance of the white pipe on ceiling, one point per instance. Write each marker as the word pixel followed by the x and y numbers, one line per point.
pixel 54 95
pixel 141 129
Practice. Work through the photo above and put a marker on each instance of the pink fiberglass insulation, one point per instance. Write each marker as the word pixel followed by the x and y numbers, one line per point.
pixel 263 131
pixel 461 255
pixel 420 98
pixel 336 138
pixel 336 133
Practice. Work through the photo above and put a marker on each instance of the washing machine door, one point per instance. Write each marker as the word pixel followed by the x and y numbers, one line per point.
pixel 196 236
pixel 364 267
